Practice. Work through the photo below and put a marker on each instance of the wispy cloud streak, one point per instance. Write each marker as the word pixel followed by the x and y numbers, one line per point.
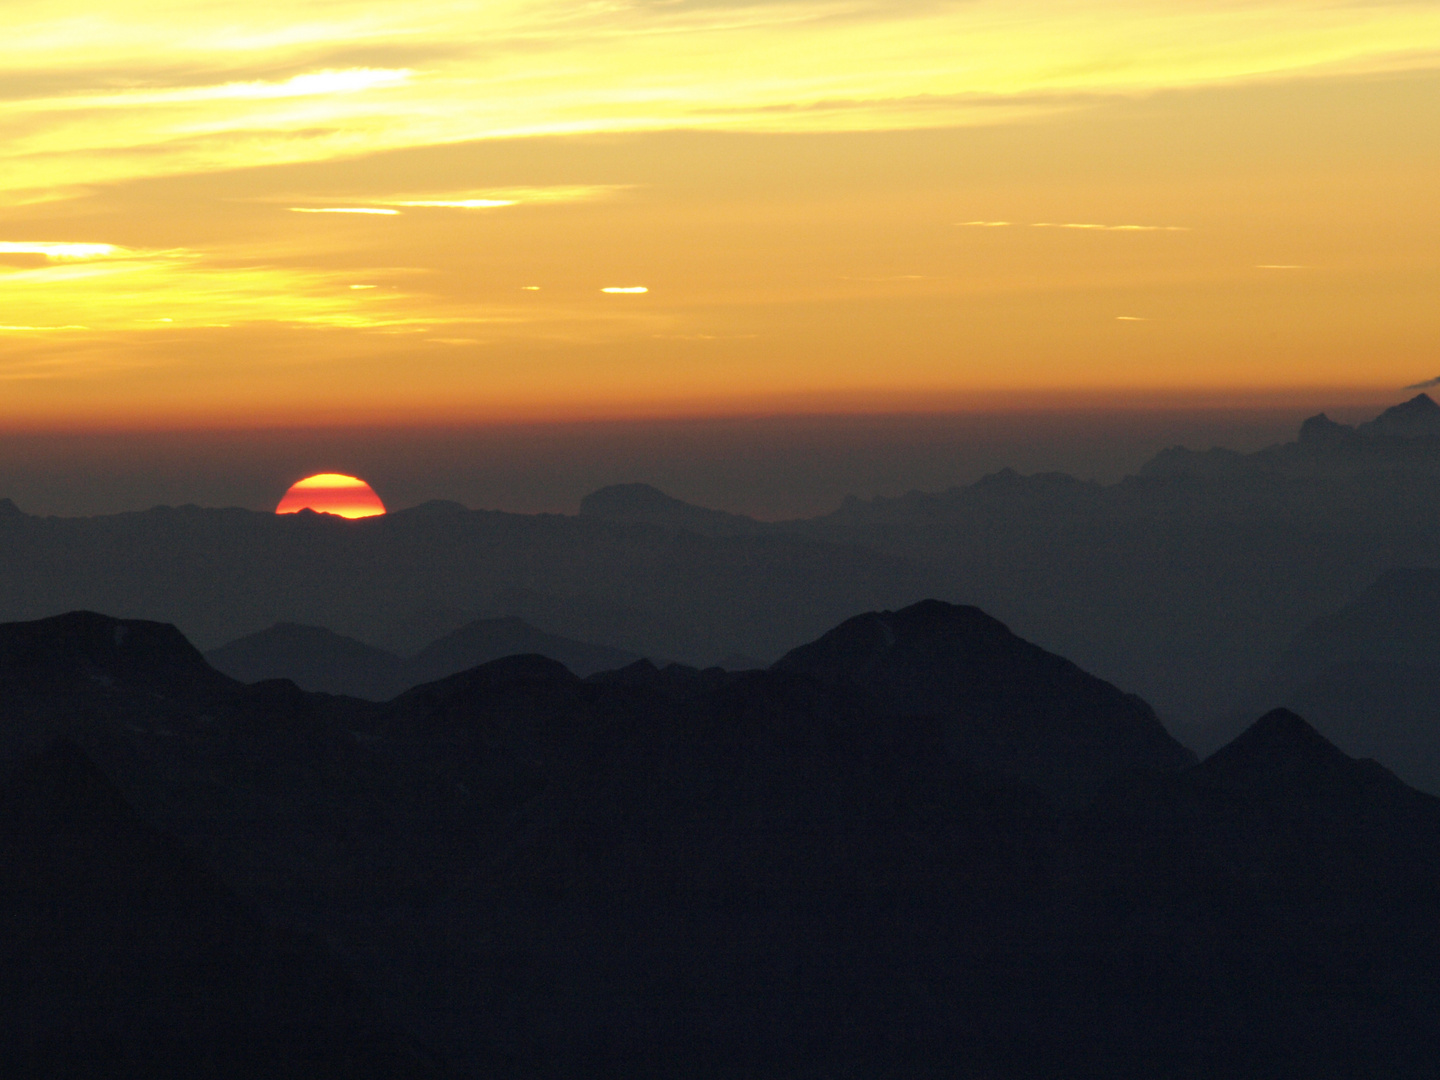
pixel 528 67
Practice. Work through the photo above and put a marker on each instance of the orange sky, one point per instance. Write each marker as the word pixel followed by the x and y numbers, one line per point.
pixel 340 211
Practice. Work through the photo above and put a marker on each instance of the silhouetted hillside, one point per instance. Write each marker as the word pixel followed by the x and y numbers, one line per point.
pixel 1002 704
pixel 121 958
pixel 1266 913
pixel 868 860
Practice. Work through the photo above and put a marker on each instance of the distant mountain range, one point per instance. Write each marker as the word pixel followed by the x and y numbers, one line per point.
pixel 918 845
pixel 321 660
pixel 1184 583
pixel 398 581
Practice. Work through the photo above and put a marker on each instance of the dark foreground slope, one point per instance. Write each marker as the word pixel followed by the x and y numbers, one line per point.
pixel 1002 704
pixel 122 958
pixel 785 873
pixel 1270 912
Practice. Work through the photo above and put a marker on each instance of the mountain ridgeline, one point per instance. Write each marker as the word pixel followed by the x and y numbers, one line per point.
pixel 918 845
pixel 321 660
pixel 1183 583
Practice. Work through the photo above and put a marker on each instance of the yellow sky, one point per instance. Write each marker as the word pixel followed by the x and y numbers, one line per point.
pixel 333 210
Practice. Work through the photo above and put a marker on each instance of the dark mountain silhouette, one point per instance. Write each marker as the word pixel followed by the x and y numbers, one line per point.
pixel 317 659
pixel 314 659
pixel 1265 904
pixel 71 670
pixel 869 860
pixel 870 902
pixel 122 958
pixel 1003 704
pixel 1418 418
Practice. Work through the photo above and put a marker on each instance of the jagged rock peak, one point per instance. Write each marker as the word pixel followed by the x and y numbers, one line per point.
pixel 1417 418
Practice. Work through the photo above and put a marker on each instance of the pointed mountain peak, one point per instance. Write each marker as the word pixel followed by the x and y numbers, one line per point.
pixel 1321 430
pixel 1281 750
pixel 1419 417
pixel 1281 729
pixel 9 509
pixel 1282 756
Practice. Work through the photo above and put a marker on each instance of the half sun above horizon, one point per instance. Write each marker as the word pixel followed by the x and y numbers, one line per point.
pixel 332 493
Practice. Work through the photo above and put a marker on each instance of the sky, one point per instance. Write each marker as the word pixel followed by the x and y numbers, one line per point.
pixel 224 216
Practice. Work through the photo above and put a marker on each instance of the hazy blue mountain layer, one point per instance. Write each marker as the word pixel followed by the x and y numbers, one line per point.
pixel 320 660
pixel 1183 583
pixel 1367 676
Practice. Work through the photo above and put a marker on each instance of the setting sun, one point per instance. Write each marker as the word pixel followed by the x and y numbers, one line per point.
pixel 332 493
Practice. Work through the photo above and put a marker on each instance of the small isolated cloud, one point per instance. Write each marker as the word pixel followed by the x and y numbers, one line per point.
pixel 1426 385
pixel 60 251
pixel 1132 318
pixel 493 199
pixel 310 84
pixel 362 286
pixel 459 204
pixel 529 288
pixel 625 289
pixel 342 210
pixel 1108 228
pixel 983 224
pixel 500 197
